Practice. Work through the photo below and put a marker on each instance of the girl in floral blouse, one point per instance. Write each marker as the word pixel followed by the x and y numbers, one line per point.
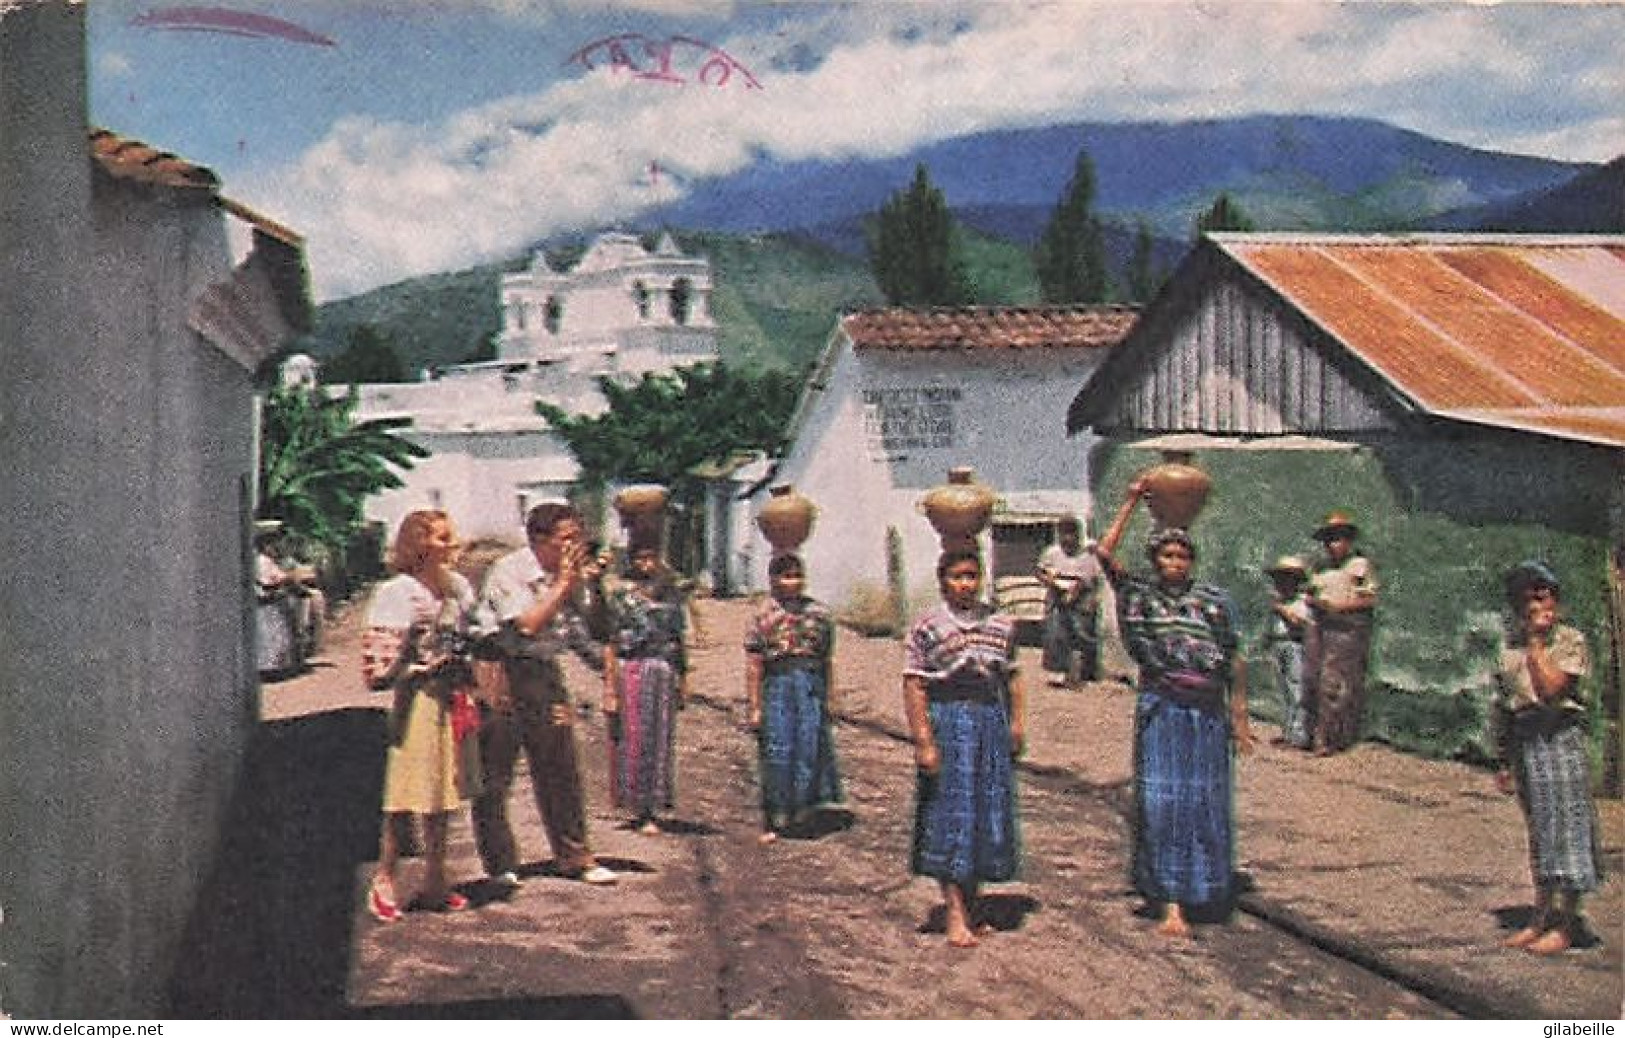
pixel 967 716
pixel 788 649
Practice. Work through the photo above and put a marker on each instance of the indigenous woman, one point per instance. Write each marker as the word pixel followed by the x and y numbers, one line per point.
pixel 966 713
pixel 417 632
pixel 788 649
pixel 645 684
pixel 1192 705
pixel 1342 597
pixel 1540 730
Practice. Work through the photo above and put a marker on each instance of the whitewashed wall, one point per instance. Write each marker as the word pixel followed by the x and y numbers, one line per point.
pixel 484 479
pixel 999 411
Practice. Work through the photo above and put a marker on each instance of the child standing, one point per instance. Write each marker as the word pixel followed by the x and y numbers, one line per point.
pixel 1289 619
pixel 788 651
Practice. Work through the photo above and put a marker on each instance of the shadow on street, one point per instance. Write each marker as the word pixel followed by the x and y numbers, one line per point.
pixel 270 937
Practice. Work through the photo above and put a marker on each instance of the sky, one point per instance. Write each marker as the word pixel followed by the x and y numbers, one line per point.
pixel 409 137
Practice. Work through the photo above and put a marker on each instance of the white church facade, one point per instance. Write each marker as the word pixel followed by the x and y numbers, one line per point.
pixel 622 311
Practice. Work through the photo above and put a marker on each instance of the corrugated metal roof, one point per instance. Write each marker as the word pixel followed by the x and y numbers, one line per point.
pixel 989 327
pixel 1526 332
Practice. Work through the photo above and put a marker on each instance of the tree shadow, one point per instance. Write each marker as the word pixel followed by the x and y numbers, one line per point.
pixel 270 934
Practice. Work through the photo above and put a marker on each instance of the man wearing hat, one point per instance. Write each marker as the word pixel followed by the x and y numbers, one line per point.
pixel 1343 598
pixel 1283 637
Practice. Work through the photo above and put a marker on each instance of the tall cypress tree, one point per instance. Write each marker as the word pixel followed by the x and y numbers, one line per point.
pixel 914 252
pixel 1143 279
pixel 1224 215
pixel 1071 255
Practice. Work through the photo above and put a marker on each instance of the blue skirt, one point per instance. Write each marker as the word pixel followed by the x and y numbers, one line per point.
pixel 1183 831
pixel 965 827
pixel 795 748
pixel 1554 781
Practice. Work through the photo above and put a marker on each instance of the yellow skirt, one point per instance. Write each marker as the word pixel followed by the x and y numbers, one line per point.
pixel 430 771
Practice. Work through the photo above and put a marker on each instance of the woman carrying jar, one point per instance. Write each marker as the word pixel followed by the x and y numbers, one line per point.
pixel 967 714
pixel 789 646
pixel 415 643
pixel 645 684
pixel 1192 707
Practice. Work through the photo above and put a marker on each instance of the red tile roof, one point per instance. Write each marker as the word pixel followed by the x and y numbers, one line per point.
pixel 1522 331
pixel 989 327
pixel 129 159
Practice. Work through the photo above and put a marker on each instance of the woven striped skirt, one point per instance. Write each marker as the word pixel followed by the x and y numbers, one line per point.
pixel 643 738
pixel 1554 783
pixel 795 748
pixel 1183 832
pixel 965 826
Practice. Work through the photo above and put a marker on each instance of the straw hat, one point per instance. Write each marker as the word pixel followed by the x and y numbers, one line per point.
pixel 1335 524
pixel 1288 564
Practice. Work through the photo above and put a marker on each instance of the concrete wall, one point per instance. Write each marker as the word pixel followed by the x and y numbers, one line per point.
pixel 126 685
pixel 888 424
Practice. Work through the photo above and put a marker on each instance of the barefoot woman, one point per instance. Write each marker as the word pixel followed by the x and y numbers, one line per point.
pixel 966 713
pixel 1183 636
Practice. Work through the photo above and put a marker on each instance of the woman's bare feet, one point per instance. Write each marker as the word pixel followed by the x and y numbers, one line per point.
pixel 962 938
pixel 768 836
pixel 649 828
pixel 1173 923
pixel 956 904
pixel 1551 942
pixel 1523 938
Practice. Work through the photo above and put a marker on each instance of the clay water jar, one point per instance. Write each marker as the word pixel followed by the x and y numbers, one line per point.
pixel 1177 490
pixel 786 520
pixel 642 508
pixel 958 509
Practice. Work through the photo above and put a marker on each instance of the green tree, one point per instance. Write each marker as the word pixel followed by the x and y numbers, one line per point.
pixel 1144 281
pixel 1224 215
pixel 318 465
pixel 914 249
pixel 1071 254
pixel 658 428
pixel 367 357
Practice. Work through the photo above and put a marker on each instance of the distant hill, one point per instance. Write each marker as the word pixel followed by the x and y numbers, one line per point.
pixel 786 241
pixel 1291 172
pixel 1593 202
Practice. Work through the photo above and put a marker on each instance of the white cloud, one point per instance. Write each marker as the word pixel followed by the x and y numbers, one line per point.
pixel 383 202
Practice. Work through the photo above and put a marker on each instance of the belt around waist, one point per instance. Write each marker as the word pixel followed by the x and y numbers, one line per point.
pixel 962 692
pixel 791 664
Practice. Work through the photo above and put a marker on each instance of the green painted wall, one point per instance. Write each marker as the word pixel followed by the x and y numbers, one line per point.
pixel 1442 518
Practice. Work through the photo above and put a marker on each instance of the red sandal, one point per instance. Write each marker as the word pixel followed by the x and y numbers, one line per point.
pixel 384 909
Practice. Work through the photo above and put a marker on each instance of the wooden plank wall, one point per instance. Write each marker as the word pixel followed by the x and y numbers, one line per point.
pixel 1241 364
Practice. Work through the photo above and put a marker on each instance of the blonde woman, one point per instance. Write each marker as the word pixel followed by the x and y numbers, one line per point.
pixel 417 631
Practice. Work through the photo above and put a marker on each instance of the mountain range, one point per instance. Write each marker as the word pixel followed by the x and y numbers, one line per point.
pixel 787 245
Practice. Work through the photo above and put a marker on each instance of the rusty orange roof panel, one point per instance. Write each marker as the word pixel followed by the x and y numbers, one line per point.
pixel 989 327
pixel 1522 330
pixel 1494 341
pixel 1380 329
